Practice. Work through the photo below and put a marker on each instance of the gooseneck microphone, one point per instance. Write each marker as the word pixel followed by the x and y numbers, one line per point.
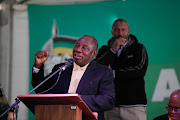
pixel 62 68
pixel 67 64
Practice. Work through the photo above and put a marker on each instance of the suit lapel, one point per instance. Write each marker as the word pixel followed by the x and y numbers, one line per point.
pixel 67 78
pixel 86 76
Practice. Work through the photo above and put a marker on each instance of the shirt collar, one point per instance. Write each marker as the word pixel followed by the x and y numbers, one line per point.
pixel 77 67
pixel 125 43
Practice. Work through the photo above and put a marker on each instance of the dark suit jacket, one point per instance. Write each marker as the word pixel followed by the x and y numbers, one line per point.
pixel 162 117
pixel 96 86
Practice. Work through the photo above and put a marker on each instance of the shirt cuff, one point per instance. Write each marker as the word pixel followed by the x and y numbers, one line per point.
pixel 35 70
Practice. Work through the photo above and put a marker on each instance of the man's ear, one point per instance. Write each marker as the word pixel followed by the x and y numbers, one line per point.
pixel 129 32
pixel 112 32
pixel 95 53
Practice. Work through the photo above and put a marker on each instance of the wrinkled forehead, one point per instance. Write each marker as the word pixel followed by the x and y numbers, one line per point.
pixel 120 24
pixel 87 40
pixel 84 40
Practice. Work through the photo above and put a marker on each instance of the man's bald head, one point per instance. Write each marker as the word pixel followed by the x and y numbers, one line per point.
pixel 174 99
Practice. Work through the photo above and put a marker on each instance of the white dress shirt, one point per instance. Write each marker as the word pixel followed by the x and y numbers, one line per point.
pixel 77 74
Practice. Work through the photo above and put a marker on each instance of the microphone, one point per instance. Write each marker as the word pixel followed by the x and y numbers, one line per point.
pixel 67 64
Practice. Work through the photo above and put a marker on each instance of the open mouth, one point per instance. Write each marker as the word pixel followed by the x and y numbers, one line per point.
pixel 76 56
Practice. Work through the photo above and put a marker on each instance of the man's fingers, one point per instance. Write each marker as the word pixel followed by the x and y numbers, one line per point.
pixel 120 41
pixel 41 54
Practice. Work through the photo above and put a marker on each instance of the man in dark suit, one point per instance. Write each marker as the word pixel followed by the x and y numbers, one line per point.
pixel 173 107
pixel 94 82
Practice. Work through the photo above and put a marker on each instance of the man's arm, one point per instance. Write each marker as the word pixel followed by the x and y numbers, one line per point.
pixel 105 100
pixel 137 65
pixel 105 56
pixel 38 77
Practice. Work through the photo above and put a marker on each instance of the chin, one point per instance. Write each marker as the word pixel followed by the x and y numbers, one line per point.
pixel 175 117
pixel 77 62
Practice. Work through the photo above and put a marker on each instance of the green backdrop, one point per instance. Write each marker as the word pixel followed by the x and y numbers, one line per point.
pixel 154 22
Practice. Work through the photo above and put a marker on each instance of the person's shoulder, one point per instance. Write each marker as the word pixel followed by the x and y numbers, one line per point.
pixel 140 45
pixel 162 117
pixel 102 67
pixel 136 42
pixel 137 45
pixel 104 48
pixel 57 66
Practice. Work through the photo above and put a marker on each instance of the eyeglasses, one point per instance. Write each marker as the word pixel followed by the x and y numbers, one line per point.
pixel 176 109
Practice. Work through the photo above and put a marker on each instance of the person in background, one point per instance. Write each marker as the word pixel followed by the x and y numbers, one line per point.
pixel 129 61
pixel 10 115
pixel 173 107
pixel 94 82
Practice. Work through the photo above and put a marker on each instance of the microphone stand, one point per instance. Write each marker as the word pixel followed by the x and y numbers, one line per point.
pixel 15 105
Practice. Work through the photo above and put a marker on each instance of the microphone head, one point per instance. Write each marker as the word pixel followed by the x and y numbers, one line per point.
pixel 70 60
pixel 67 64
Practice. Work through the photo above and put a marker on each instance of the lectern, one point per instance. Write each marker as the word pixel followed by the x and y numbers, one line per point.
pixel 57 107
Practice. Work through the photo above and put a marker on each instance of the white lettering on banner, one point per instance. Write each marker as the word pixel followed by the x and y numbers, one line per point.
pixel 169 78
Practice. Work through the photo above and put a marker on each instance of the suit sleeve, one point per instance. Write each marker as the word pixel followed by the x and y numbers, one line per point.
pixel 37 78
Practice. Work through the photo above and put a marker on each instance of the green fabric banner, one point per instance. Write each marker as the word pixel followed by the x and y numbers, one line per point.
pixel 55 28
